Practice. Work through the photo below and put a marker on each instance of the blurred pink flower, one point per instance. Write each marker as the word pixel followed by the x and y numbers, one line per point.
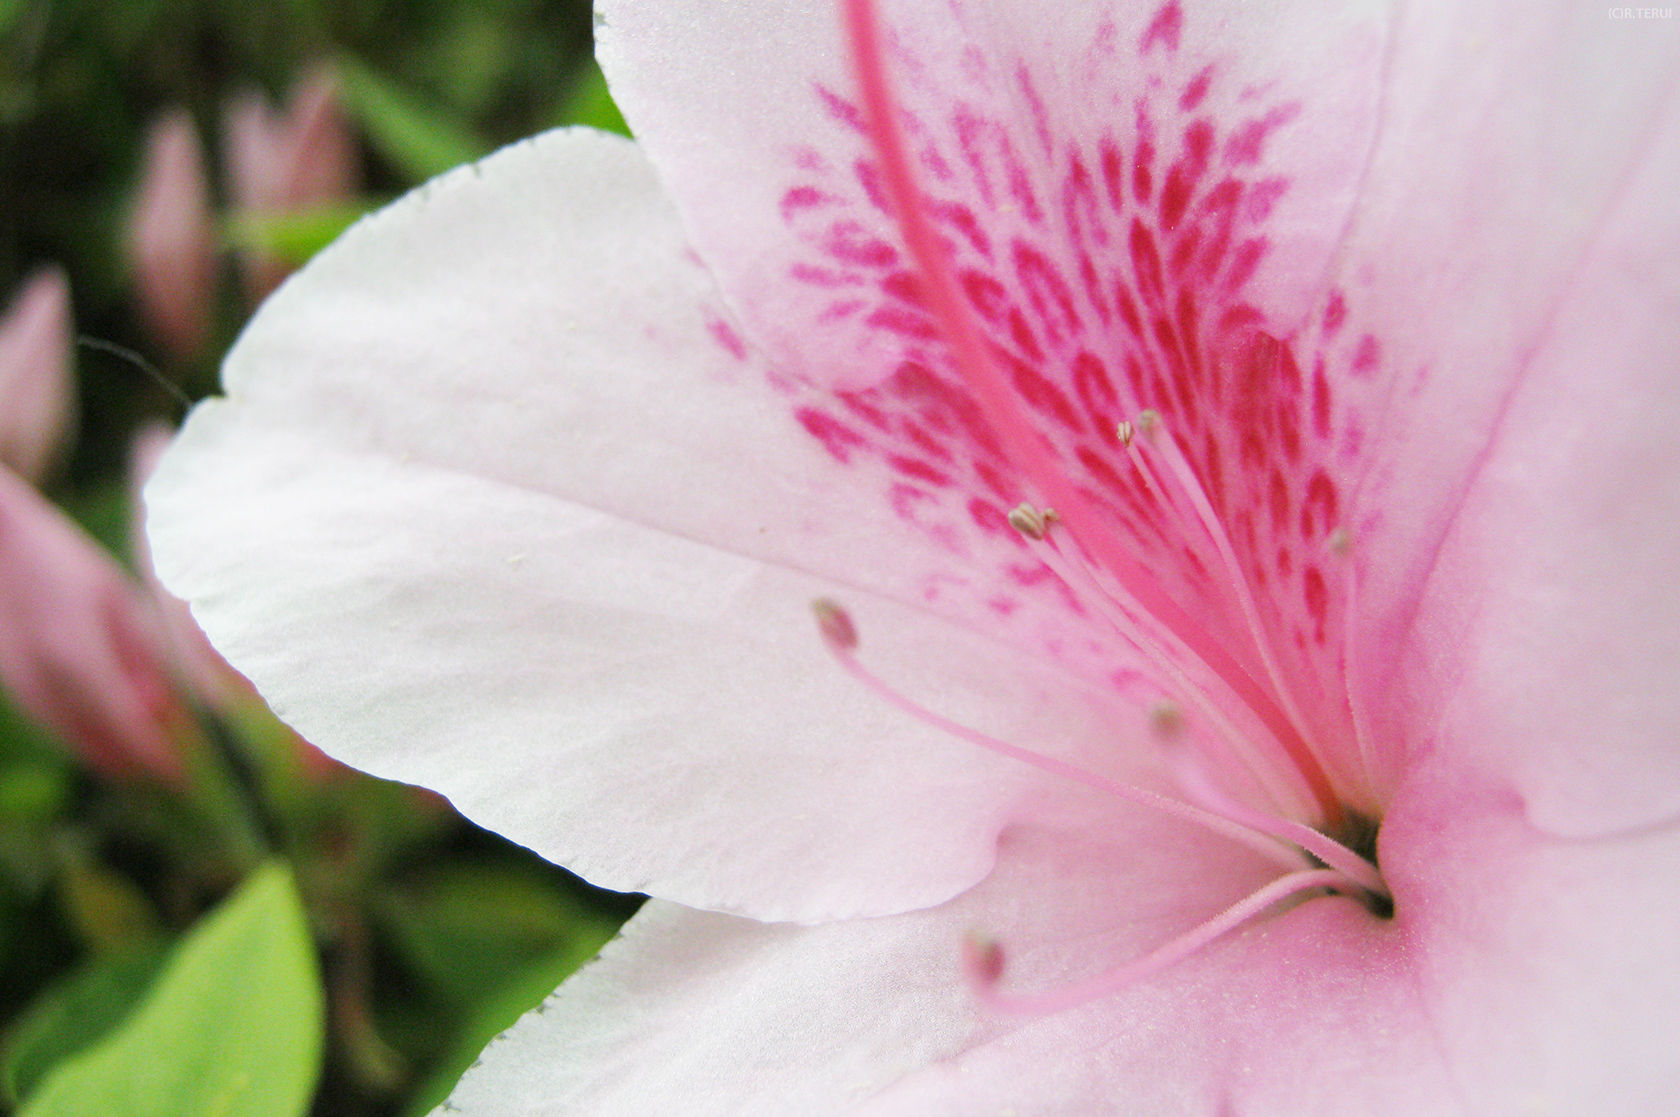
pixel 171 237
pixel 282 161
pixel 80 648
pixel 36 387
pixel 1342 338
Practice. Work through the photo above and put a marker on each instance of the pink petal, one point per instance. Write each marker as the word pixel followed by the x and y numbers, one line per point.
pixel 1046 139
pixel 36 388
pixel 170 237
pixel 705 1014
pixel 1511 138
pixel 1552 627
pixel 1544 965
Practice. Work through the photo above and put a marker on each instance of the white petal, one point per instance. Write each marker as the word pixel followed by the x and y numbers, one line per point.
pixel 467 520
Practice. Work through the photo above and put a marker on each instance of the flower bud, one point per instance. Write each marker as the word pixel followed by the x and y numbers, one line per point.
pixel 36 389
pixel 171 239
pixel 79 649
pixel 280 161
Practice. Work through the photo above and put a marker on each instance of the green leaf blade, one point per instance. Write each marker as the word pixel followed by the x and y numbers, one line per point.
pixel 418 138
pixel 233 1027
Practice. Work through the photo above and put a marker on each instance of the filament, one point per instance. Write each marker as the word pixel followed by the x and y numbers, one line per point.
pixel 1163 443
pixel 984 962
pixel 1115 606
pixel 1278 839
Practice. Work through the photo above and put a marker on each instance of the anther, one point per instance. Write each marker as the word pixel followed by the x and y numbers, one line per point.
pixel 836 625
pixel 982 958
pixel 1339 541
pixel 1125 432
pixel 1166 719
pixel 1029 521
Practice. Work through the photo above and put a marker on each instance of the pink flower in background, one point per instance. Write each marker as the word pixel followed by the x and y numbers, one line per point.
pixel 171 238
pixel 282 161
pixel 79 648
pixel 1343 345
pixel 36 389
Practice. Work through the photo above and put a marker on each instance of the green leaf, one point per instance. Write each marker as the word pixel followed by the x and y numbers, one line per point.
pixel 468 928
pixel 73 1014
pixel 107 910
pixel 33 792
pixel 9 11
pixel 418 140
pixel 233 1027
pixel 495 939
pixel 497 1013
pixel 291 237
pixel 591 103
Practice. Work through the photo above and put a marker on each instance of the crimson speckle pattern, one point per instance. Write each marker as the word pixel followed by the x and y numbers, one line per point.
pixel 1110 271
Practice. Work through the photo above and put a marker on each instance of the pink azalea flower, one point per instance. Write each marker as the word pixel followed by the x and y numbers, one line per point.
pixel 36 388
pixel 1343 345
pixel 280 161
pixel 79 648
pixel 171 238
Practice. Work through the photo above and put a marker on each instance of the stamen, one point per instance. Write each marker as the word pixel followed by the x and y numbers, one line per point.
pixel 1127 617
pixel 1023 443
pixel 1254 838
pixel 983 960
pixel 1162 443
pixel 1333 853
pixel 1269 835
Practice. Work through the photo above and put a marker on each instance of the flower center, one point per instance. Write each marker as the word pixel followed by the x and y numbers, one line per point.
pixel 1251 744
pixel 1316 862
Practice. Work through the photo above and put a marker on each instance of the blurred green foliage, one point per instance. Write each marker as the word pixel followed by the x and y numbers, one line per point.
pixel 125 905
pixel 80 80
pixel 232 1025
